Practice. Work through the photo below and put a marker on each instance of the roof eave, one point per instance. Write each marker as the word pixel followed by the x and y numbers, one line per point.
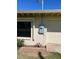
pixel 38 11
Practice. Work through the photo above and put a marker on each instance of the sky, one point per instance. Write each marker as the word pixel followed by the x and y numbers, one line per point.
pixel 36 4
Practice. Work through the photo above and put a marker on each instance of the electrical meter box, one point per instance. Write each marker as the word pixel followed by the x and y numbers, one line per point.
pixel 41 29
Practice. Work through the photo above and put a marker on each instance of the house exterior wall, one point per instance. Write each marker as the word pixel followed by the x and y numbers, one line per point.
pixel 52 31
pixel 53 34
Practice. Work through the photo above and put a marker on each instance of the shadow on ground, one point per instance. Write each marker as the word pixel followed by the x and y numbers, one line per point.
pixel 40 55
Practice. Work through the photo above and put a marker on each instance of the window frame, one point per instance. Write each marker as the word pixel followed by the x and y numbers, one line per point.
pixel 27 20
pixel 25 28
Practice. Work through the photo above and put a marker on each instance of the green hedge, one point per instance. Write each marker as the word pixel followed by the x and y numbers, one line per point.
pixel 20 43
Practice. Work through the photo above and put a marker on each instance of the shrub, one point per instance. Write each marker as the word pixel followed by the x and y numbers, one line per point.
pixel 20 43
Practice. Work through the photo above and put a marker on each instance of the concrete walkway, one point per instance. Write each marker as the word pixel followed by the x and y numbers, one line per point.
pixel 33 51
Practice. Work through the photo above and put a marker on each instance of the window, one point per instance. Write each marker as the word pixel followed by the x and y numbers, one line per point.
pixel 24 29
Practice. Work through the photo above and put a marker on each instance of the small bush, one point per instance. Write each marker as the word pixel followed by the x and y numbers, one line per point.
pixel 20 43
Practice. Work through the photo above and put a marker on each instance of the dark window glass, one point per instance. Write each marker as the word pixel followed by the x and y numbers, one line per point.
pixel 24 29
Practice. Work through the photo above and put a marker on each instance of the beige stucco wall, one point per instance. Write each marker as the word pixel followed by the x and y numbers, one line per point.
pixel 52 31
pixel 53 34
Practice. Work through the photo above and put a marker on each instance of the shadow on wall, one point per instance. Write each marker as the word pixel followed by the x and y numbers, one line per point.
pixel 54 26
pixel 40 55
pixel 51 25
